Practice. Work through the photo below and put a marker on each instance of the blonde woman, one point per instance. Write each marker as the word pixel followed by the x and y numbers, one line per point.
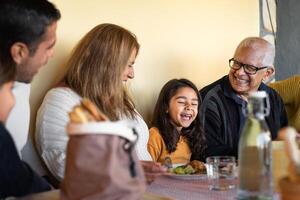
pixel 98 69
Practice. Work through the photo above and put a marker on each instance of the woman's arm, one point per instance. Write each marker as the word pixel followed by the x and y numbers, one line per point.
pixel 51 136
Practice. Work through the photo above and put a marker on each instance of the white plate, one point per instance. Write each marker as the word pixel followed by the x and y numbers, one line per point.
pixel 188 176
pixel 178 164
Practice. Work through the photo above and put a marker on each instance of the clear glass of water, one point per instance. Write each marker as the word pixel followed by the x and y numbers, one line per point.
pixel 221 172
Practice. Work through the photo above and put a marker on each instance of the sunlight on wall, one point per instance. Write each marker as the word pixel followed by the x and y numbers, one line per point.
pixel 179 39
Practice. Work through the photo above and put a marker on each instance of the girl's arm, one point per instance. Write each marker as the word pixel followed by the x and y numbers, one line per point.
pixel 154 145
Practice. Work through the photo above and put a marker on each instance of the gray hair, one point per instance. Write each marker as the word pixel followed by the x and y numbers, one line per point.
pixel 259 43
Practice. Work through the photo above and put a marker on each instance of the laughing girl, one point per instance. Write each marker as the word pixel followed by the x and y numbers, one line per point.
pixel 176 130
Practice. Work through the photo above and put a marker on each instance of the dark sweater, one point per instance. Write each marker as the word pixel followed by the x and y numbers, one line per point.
pixel 16 177
pixel 223 119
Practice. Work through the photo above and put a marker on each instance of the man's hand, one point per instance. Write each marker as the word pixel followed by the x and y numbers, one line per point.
pixel 153 170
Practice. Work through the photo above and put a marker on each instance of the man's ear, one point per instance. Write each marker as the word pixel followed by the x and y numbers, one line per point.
pixel 269 75
pixel 19 52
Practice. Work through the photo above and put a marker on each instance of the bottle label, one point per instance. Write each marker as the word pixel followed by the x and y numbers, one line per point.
pixel 250 169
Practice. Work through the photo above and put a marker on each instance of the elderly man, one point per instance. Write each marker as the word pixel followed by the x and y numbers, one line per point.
pixel 221 110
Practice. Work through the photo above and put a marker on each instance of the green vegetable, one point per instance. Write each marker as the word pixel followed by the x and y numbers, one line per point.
pixel 184 169
pixel 179 170
pixel 189 170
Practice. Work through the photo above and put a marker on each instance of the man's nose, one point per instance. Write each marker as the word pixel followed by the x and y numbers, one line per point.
pixel 241 71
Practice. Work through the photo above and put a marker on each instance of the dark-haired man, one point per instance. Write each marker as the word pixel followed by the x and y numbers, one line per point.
pixel 27 38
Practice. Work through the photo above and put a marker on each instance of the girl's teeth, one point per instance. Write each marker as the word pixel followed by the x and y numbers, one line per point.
pixel 186 117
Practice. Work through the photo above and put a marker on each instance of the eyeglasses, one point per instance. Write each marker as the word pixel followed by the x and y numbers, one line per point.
pixel 249 69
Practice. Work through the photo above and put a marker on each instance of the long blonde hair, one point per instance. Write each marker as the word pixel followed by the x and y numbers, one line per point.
pixel 96 66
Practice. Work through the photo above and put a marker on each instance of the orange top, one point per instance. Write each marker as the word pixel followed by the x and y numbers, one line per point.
pixel 158 150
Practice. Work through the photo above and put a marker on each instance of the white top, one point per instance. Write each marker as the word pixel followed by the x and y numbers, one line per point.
pixel 118 128
pixel 18 119
pixel 18 126
pixel 51 137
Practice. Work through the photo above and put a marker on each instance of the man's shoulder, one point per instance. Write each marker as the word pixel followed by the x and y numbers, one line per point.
pixel 6 138
pixel 274 97
pixel 3 130
pixel 21 90
pixel 270 91
pixel 217 85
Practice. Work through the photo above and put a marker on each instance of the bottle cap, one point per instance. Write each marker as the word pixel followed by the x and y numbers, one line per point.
pixel 258 94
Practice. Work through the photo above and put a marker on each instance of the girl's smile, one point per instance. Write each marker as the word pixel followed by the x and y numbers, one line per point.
pixel 183 107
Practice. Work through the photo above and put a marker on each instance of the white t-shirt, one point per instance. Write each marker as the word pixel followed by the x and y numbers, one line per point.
pixel 18 126
pixel 51 136
pixel 18 119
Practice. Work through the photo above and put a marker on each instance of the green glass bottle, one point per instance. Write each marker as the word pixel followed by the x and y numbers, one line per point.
pixel 255 151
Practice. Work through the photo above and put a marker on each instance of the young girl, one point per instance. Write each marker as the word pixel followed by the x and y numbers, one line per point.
pixel 16 177
pixel 176 131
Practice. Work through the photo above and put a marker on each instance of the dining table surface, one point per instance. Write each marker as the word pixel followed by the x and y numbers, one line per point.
pixel 183 187
pixel 167 188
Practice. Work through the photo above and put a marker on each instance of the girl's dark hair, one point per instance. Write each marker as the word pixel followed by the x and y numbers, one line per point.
pixel 161 119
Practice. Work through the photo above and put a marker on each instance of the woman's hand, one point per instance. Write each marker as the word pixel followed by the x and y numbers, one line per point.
pixel 153 170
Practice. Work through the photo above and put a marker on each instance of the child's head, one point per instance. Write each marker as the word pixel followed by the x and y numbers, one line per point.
pixel 7 99
pixel 178 103
pixel 176 113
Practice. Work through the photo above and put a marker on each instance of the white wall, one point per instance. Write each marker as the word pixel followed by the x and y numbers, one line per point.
pixel 179 39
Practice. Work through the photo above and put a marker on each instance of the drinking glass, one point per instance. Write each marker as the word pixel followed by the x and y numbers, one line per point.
pixel 221 172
